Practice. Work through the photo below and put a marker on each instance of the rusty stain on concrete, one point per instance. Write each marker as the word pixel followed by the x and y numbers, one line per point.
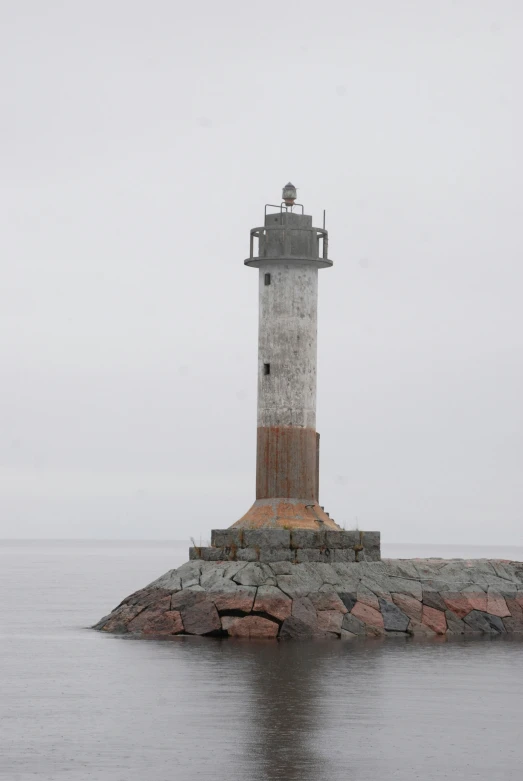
pixel 286 513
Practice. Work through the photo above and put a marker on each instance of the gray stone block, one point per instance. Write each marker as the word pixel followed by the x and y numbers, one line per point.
pixel 303 608
pixel 411 588
pixel 295 629
pixel 190 573
pixel 402 569
pixel 212 576
pixel 266 538
pixel 439 586
pixel 189 568
pixel 352 624
pixel 473 588
pixel 343 555
pixel 230 569
pixel 226 538
pixel 301 582
pixel 477 621
pixel 455 570
pixel 349 599
pixel 369 554
pixel 326 572
pixel 308 554
pixel 194 554
pixel 170 580
pixel 378 584
pixel 371 539
pixel 455 626
pixel 306 538
pixel 371 568
pixel 435 600
pixel 506 571
pixel 255 574
pixel 247 554
pixel 342 539
pixel 276 554
pixel 282 567
pixel 507 592
pixel 394 619
pixel 214 554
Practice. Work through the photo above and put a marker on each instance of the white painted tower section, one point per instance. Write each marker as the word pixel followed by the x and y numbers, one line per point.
pixel 287 343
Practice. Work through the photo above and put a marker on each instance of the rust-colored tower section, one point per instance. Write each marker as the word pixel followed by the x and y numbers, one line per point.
pixel 288 254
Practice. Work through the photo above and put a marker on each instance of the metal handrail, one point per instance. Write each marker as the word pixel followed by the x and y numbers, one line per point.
pixel 260 231
pixel 283 207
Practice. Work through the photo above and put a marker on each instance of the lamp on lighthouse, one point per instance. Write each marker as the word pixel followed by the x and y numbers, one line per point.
pixel 289 194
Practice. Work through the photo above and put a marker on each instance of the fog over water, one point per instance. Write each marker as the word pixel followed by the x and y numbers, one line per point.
pixel 140 143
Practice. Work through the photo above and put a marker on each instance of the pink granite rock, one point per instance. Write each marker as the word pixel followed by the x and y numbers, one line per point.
pixel 434 619
pixel 147 597
pixel 477 598
pixel 374 631
pixel 368 615
pixel 199 614
pixel 137 625
pixel 458 603
pixel 241 599
pixel 330 620
pixel 328 600
pixel 367 597
pixel 185 599
pixel 250 627
pixel 119 619
pixel 168 623
pixel 514 622
pixel 411 606
pixel 496 605
pixel 418 629
pixel 274 602
pixel 149 614
pixel 295 629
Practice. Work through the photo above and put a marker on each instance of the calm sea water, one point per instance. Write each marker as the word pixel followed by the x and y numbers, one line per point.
pixel 76 704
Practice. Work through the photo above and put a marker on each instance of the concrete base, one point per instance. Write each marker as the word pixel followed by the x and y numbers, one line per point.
pixel 421 597
pixel 295 545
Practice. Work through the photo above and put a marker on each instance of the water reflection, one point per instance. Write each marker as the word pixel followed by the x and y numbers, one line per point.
pixel 336 710
pixel 286 686
pixel 286 710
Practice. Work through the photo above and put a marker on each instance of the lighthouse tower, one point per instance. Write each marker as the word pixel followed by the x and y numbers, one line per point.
pixel 288 252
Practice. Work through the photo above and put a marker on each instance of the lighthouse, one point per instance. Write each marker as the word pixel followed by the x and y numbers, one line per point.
pixel 251 580
pixel 288 251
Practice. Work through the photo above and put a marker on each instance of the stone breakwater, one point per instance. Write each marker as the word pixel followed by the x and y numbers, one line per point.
pixel 420 597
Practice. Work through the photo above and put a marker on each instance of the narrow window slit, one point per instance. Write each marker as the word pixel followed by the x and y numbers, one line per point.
pixel 267 279
pixel 266 368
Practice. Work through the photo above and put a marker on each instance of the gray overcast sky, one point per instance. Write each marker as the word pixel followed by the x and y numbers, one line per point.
pixel 140 142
